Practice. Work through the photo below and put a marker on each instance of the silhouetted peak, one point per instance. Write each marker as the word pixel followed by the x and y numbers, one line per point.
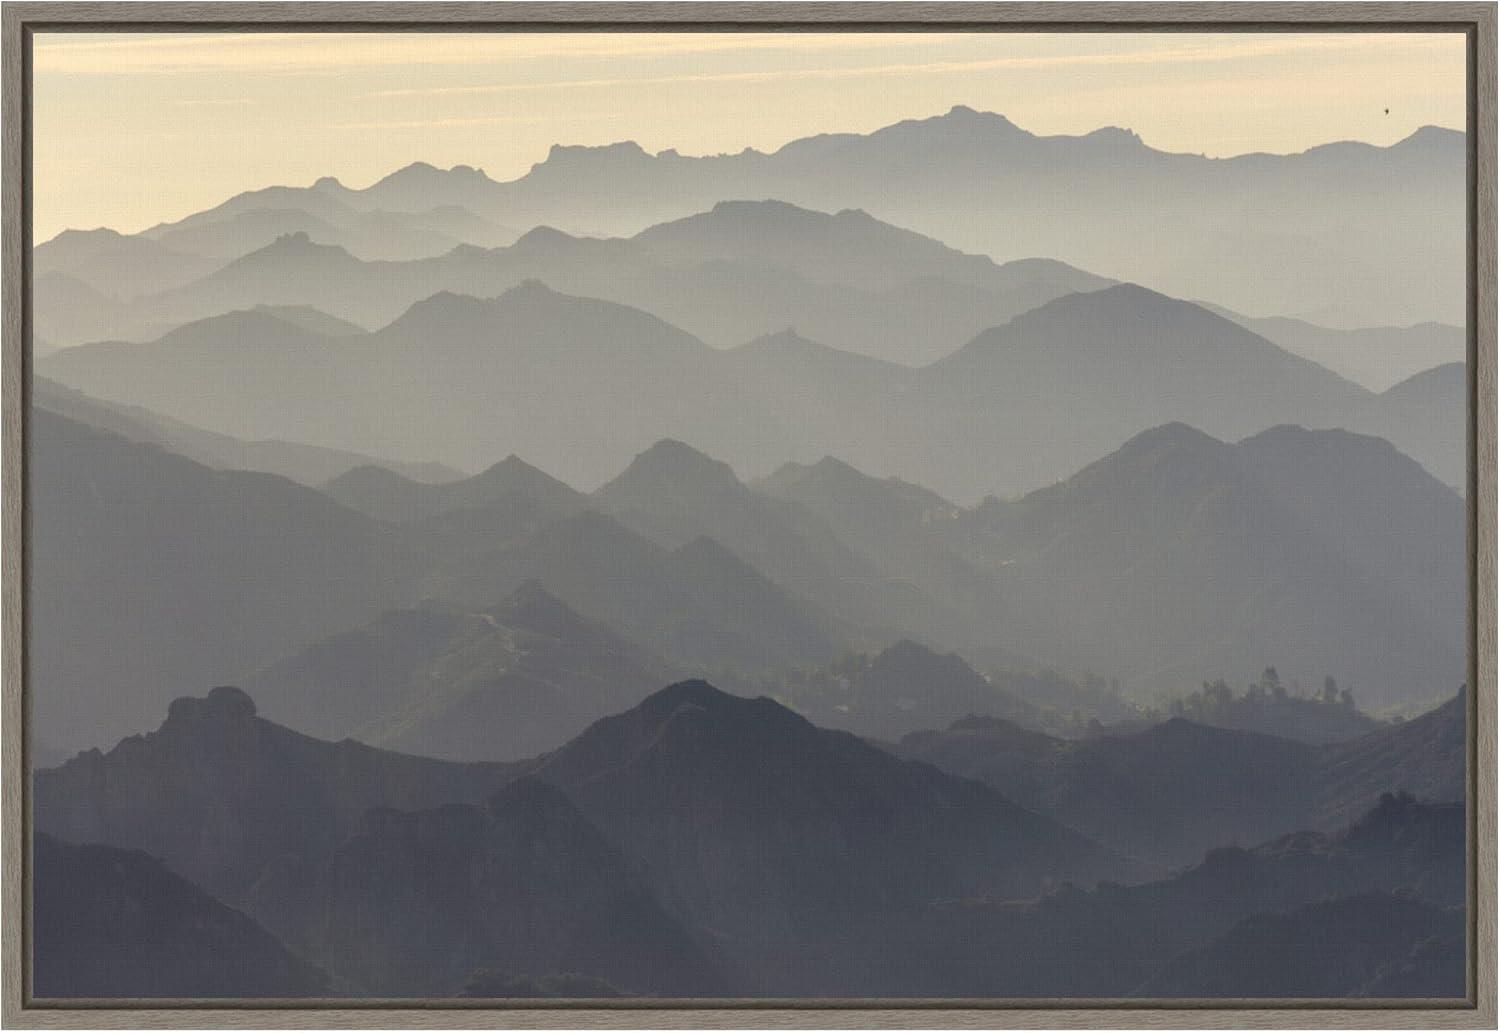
pixel 906 661
pixel 515 474
pixel 1293 441
pixel 575 154
pixel 102 233
pixel 530 289
pixel 1171 435
pixel 421 173
pixel 327 183
pixel 531 805
pixel 960 120
pixel 1431 136
pixel 295 245
pixel 541 238
pixel 832 466
pixel 1447 377
pixel 369 476
pixel 1115 135
pixel 708 551
pixel 534 608
pixel 767 207
pixel 1128 294
pixel 673 464
pixel 964 113
pixel 442 306
pixel 466 251
pixel 904 650
pixel 694 692
pixel 223 704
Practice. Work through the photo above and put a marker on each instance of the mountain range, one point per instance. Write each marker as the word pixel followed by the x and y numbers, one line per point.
pixel 678 559
pixel 1203 787
pixel 820 573
pixel 455 374
pixel 690 845
pixel 1341 232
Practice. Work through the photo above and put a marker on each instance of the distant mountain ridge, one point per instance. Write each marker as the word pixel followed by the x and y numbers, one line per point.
pixel 1096 195
pixel 945 425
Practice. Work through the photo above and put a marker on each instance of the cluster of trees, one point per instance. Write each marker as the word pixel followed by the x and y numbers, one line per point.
pixel 1217 698
pixel 1273 707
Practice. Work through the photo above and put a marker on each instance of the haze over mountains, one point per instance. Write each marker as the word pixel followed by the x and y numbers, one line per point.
pixel 1339 229
pixel 456 379
pixel 865 573
pixel 693 844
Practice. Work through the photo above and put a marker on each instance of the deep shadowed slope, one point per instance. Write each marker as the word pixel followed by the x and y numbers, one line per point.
pixel 1426 756
pixel 773 832
pixel 415 902
pixel 117 923
pixel 1110 941
pixel 1168 793
pixel 220 794
pixel 1370 945
pixel 1173 791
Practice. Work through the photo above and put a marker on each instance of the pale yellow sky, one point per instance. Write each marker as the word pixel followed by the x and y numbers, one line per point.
pixel 131 129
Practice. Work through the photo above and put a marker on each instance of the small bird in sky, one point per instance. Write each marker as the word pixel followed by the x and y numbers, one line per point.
pixel 1387 111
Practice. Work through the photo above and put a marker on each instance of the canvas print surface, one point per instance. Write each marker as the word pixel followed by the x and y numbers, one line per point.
pixel 718 515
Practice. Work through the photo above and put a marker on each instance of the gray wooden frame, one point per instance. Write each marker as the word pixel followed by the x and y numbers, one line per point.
pixel 1476 20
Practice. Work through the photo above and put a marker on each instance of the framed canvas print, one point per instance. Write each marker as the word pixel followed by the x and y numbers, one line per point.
pixel 748 515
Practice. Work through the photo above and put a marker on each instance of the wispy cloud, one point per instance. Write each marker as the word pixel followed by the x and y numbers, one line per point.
pixel 1217 52
pixel 118 54
pixel 442 123
pixel 212 102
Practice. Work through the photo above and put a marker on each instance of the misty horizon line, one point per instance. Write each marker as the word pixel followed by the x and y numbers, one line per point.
pixel 671 153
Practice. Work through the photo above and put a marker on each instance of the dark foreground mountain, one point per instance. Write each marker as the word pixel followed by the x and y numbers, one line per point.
pixel 1173 791
pixel 697 843
pixel 1371 945
pixel 1426 756
pixel 222 795
pixel 414 903
pixel 150 572
pixel 510 682
pixel 1168 794
pixel 778 835
pixel 1116 940
pixel 108 922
